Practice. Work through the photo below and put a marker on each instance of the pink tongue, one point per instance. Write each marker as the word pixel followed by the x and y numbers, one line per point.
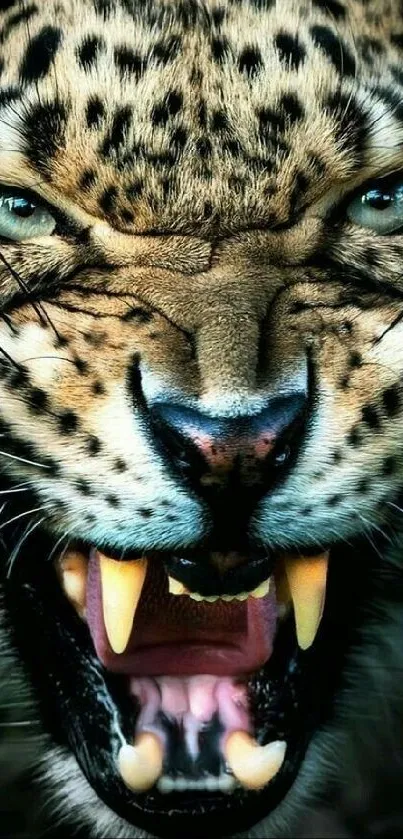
pixel 177 636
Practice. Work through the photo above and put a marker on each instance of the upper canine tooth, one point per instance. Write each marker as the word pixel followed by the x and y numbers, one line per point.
pixel 307 581
pixel 72 569
pixel 253 765
pixel 121 583
pixel 175 587
pixel 261 590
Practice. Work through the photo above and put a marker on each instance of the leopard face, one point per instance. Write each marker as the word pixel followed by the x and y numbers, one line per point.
pixel 200 379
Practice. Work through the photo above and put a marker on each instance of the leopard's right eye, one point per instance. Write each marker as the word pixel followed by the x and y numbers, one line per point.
pixel 22 217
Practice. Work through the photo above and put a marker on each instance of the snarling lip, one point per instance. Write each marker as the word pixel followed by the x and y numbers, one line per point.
pixel 187 659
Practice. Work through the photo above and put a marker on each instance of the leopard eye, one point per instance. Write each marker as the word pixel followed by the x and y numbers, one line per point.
pixel 379 208
pixel 22 218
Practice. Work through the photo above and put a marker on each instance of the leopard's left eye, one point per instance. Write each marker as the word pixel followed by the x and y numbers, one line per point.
pixel 379 208
pixel 22 217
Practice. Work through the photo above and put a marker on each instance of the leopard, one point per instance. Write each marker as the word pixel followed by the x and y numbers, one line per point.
pixel 201 418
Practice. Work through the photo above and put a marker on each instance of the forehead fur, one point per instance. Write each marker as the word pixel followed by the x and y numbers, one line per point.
pixel 199 115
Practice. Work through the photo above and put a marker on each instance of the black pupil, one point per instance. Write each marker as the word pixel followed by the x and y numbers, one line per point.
pixel 377 199
pixel 21 207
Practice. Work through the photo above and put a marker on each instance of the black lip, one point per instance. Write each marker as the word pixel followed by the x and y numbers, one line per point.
pixel 289 699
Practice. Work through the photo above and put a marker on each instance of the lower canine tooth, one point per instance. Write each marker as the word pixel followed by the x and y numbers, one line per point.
pixel 122 583
pixel 253 765
pixel 307 581
pixel 141 765
pixel 261 590
pixel 72 569
pixel 175 587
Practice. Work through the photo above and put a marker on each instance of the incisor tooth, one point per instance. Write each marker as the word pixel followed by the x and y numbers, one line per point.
pixel 175 587
pixel 261 590
pixel 307 581
pixel 72 569
pixel 253 765
pixel 141 765
pixel 122 583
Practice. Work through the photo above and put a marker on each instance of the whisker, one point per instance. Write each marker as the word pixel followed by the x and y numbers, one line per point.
pixel 38 308
pixel 21 515
pixel 14 555
pixel 25 460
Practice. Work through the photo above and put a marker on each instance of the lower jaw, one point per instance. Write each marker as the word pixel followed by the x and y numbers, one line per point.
pixel 89 710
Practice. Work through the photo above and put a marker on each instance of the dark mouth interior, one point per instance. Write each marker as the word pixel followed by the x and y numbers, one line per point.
pixel 84 702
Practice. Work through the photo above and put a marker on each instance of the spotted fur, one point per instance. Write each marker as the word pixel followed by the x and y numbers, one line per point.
pixel 196 156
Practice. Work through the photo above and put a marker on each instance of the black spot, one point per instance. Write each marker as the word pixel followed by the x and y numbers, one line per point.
pixel 370 417
pixel 5 5
pixel 202 114
pixel 120 127
pixel 19 378
pixel 44 130
pixel 68 422
pixel 15 20
pixel 335 499
pixel 334 49
pixel 98 388
pixel 218 16
pixel 37 399
pixel 81 365
pixel 179 138
pixel 167 49
pixel 292 107
pixel 88 51
pixel 9 94
pixel 391 400
pixel 88 178
pixel 351 130
pixel 134 190
pixel 337 456
pixel 332 7
pixel 203 146
pixel 94 445
pixel 219 49
pixel 145 513
pixel 94 112
pixel 120 465
pixel 207 209
pixel 363 486
pixel 250 61
pixel 40 54
pixel 290 49
pixel 129 62
pixel 90 518
pixel 354 437
pixel 107 200
pixel 306 511
pixel 137 314
pixel 83 486
pixel 219 121
pixel 389 466
pixel 397 40
pixel 127 216
pixel 355 359
pixel 103 7
pixel 169 107
pixel 112 500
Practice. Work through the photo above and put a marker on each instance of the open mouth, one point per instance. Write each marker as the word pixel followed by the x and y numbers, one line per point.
pixel 177 702
pixel 187 659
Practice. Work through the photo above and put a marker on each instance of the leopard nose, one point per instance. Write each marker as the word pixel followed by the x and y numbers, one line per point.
pixel 222 453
